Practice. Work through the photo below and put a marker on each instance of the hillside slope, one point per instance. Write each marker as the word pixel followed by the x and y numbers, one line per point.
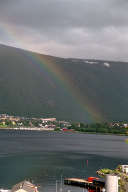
pixel 82 90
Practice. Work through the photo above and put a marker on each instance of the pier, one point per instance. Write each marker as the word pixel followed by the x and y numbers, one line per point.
pixel 77 182
pixel 93 183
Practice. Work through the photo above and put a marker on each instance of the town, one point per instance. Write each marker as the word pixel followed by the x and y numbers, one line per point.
pixel 52 124
pixel 25 123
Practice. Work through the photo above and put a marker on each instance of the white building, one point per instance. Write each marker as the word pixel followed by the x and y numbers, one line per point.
pixel 124 168
pixel 111 183
pixel 45 120
pixel 24 186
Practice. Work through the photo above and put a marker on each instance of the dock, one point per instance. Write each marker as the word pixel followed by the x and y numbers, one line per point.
pixel 77 182
pixel 93 183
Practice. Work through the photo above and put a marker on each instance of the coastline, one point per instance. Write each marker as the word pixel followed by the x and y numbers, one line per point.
pixel 98 133
pixel 27 128
pixel 51 129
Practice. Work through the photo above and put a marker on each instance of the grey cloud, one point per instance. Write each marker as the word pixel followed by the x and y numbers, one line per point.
pixel 68 13
pixel 72 28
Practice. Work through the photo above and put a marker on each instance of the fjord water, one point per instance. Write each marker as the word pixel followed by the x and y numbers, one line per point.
pixel 43 157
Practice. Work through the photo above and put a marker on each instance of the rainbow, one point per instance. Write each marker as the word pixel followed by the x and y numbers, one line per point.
pixel 47 65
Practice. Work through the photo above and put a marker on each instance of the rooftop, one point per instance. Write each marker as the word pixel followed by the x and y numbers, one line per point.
pixel 24 185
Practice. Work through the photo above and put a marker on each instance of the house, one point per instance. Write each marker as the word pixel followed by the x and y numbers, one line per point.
pixel 48 120
pixel 125 125
pixel 24 186
pixel 124 168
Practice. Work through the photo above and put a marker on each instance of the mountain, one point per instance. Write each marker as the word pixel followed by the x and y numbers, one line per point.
pixel 33 84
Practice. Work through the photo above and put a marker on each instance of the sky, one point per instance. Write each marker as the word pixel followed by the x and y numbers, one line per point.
pixel 90 29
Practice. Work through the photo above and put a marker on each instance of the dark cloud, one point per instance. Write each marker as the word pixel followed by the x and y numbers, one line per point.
pixel 84 28
pixel 68 13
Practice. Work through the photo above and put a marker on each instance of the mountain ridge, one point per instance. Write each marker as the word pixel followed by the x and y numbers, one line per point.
pixel 70 58
pixel 33 84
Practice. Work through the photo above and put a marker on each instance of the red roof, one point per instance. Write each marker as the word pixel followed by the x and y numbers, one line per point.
pixel 90 179
pixel 65 129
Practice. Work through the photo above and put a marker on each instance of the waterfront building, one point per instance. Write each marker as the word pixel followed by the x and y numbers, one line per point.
pixel 124 168
pixel 111 183
pixel 45 120
pixel 24 186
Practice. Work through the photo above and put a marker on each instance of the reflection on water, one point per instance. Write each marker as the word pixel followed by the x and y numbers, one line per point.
pixel 44 156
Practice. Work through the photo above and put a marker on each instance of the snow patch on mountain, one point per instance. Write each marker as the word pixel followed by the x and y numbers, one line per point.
pixel 107 64
pixel 91 62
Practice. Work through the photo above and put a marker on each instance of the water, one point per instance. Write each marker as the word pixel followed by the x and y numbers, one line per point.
pixel 43 157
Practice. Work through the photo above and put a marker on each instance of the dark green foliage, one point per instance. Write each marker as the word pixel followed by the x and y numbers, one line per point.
pixel 26 123
pixel 99 128
pixel 56 129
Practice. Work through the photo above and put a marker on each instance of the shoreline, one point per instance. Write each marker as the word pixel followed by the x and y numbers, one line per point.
pixel 27 128
pixel 98 133
pixel 51 129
